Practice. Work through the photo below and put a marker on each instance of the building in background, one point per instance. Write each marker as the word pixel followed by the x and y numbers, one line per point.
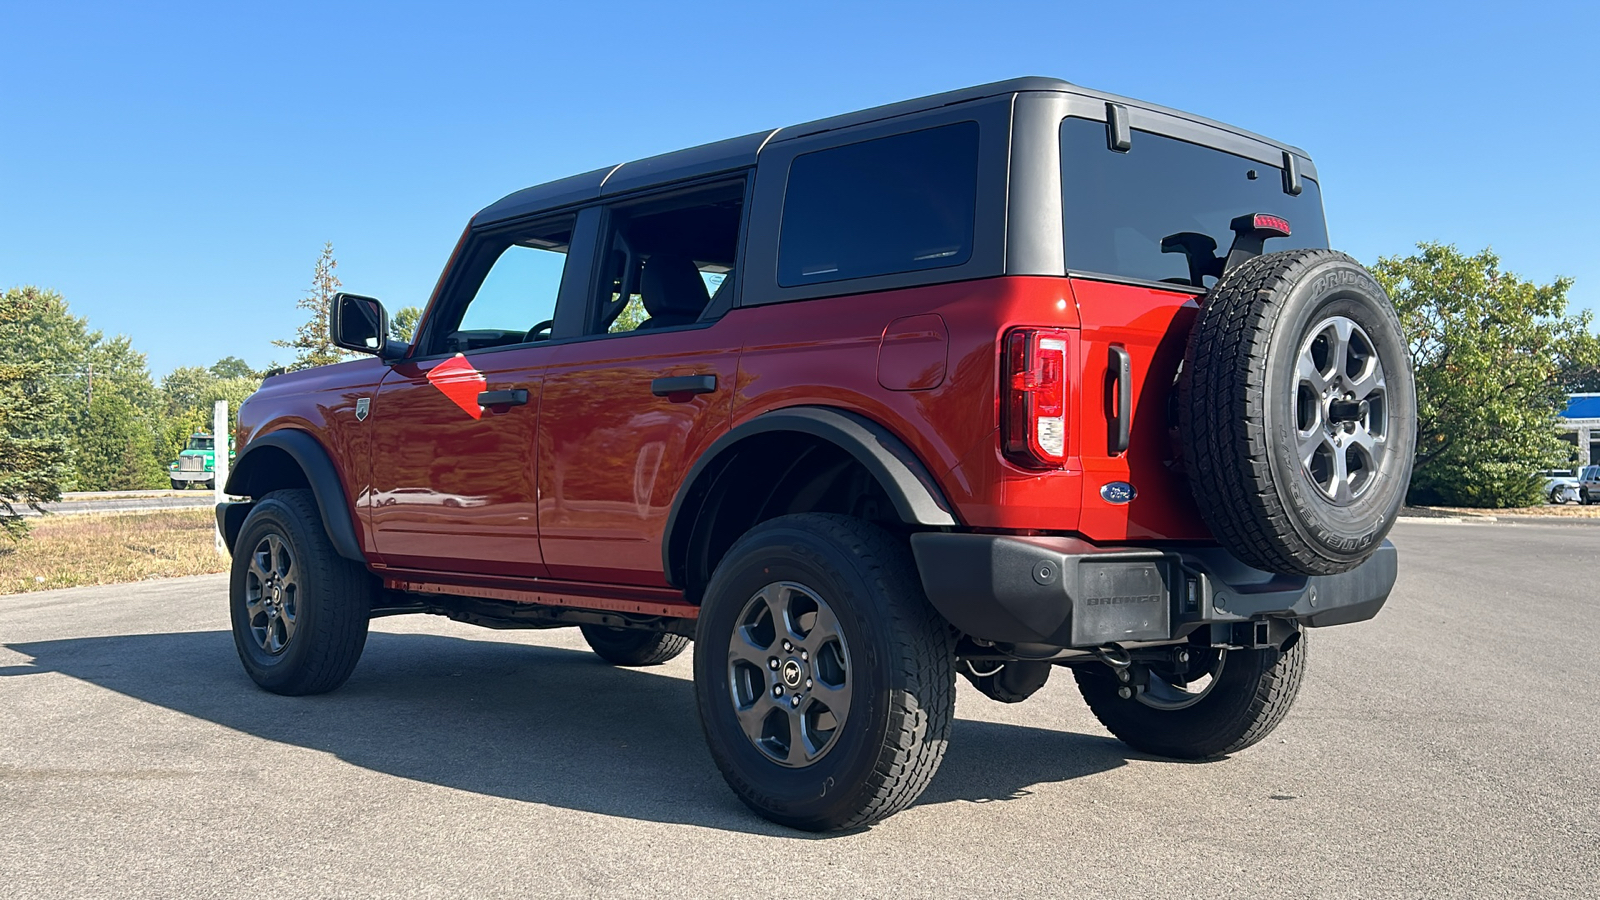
pixel 1580 424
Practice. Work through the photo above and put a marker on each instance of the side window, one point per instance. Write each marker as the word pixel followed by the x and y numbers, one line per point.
pixel 514 301
pixel 896 204
pixel 668 259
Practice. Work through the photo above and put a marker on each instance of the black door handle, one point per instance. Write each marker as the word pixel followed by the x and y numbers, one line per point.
pixel 1120 365
pixel 515 397
pixel 683 384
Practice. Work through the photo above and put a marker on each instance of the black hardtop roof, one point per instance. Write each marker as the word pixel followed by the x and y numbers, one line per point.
pixel 741 152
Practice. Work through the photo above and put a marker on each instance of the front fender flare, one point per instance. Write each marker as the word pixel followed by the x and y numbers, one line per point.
pixel 250 477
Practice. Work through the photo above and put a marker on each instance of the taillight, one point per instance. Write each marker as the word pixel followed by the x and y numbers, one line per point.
pixel 1035 411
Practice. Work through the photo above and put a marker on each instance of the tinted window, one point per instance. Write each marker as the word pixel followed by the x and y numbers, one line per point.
pixel 895 204
pixel 1118 206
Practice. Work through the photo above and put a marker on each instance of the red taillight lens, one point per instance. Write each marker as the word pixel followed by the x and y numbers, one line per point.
pixel 1035 411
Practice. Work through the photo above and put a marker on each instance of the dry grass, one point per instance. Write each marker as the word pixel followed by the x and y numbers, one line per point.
pixel 1570 511
pixel 69 551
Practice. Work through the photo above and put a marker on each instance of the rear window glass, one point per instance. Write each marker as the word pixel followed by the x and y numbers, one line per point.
pixel 895 204
pixel 1118 206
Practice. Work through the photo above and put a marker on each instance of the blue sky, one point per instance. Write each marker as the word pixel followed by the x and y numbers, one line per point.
pixel 174 171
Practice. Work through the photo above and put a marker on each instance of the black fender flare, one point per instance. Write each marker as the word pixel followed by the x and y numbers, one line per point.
pixel 320 474
pixel 916 496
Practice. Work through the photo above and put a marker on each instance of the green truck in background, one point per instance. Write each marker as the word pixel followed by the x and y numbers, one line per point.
pixel 196 462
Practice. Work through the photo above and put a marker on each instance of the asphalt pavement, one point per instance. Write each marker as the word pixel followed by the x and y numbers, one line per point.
pixel 83 502
pixel 1446 749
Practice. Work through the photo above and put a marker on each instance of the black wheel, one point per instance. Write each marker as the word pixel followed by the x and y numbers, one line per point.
pixel 211 485
pixel 825 681
pixel 632 647
pixel 1557 497
pixel 1297 412
pixel 299 609
pixel 1223 702
pixel 178 485
pixel 1583 497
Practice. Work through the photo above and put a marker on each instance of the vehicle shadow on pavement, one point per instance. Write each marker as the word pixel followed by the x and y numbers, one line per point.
pixel 537 724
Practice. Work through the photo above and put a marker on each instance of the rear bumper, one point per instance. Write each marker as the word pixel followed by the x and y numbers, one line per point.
pixel 1066 592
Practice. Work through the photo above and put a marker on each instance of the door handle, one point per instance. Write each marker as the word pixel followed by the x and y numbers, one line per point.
pixel 684 385
pixel 1120 365
pixel 515 397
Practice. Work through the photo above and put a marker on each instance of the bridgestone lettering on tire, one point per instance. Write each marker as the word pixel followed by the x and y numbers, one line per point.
pixel 1297 412
pixel 860 636
pixel 299 609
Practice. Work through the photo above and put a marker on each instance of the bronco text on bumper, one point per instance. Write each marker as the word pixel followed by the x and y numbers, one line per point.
pixel 995 383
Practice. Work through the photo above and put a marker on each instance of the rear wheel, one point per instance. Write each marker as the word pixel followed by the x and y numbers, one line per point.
pixel 299 609
pixel 631 646
pixel 825 681
pixel 1232 701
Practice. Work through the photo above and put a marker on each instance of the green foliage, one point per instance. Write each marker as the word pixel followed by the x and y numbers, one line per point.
pixel 115 449
pixel 1488 348
pixel 312 344
pixel 78 367
pixel 30 455
pixel 403 324
pixel 233 367
pixel 185 388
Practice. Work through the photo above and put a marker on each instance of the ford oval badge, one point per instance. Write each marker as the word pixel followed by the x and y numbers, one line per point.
pixel 1118 492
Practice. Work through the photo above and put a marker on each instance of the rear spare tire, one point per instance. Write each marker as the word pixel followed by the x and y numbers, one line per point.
pixel 1297 412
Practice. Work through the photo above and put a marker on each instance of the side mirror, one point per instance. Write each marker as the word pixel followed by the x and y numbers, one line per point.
pixel 359 323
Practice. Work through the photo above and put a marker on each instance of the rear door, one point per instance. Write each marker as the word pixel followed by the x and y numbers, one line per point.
pixel 630 407
pixel 1137 303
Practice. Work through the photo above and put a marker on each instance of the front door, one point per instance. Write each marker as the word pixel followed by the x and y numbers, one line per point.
pixel 629 409
pixel 453 467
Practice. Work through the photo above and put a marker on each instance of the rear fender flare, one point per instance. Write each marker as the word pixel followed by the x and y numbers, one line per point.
pixel 910 487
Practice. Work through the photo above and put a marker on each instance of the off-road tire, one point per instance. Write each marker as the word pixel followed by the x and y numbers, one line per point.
pixel 1251 697
pixel 1237 413
pixel 334 600
pixel 631 646
pixel 901 655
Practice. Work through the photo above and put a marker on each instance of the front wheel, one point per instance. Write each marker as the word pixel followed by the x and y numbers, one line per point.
pixel 825 681
pixel 1233 701
pixel 633 647
pixel 299 609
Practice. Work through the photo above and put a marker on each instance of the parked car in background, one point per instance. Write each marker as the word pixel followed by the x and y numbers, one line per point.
pixel 1589 484
pixel 196 462
pixel 1560 486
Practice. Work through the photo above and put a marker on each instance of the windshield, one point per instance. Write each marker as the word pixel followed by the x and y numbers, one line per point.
pixel 198 443
pixel 1119 205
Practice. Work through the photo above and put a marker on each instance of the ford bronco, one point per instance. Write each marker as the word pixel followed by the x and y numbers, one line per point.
pixel 998 382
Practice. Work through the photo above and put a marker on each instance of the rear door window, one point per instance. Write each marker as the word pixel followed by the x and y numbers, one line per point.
pixel 896 204
pixel 1119 205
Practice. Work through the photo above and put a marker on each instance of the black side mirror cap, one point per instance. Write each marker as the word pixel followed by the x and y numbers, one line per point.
pixel 360 324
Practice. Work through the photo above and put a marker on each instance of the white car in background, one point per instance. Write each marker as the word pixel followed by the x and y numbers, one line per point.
pixel 1560 486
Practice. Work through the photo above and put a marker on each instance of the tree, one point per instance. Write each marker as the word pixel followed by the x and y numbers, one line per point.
pixel 312 344
pixel 403 325
pixel 1487 349
pixel 115 449
pixel 185 388
pixel 30 456
pixel 233 367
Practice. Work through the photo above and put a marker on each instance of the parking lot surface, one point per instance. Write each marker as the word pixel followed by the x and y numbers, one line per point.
pixel 1451 747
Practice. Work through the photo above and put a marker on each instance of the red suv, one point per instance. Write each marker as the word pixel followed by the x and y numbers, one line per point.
pixel 964 384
